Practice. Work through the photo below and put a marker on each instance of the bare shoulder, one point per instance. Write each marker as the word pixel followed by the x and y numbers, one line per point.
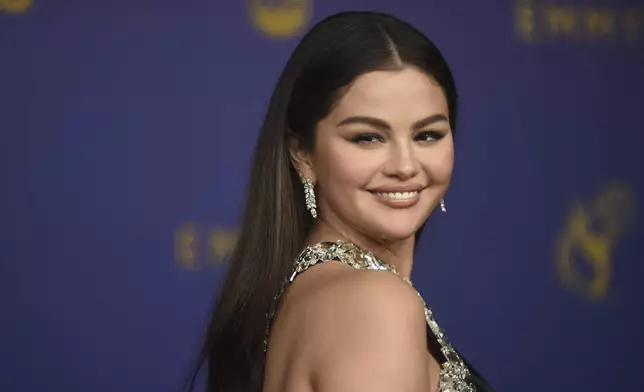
pixel 370 293
pixel 365 330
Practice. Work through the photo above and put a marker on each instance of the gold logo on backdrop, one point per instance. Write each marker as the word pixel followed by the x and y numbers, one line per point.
pixel 15 6
pixel 185 245
pixel 539 21
pixel 585 247
pixel 221 243
pixel 280 18
pixel 196 247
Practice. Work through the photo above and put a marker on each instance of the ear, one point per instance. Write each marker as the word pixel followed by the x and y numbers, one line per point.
pixel 300 157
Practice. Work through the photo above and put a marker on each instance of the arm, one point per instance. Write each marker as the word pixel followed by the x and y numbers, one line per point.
pixel 367 333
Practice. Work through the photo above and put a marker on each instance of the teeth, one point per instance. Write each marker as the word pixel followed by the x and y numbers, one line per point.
pixel 398 195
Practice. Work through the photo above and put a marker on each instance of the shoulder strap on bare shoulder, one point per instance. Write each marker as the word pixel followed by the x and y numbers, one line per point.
pixel 455 373
pixel 324 252
pixel 343 252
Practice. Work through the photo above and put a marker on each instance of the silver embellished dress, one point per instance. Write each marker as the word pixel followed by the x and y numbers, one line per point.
pixel 455 375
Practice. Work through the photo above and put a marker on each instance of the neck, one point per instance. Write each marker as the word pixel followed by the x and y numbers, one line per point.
pixel 397 253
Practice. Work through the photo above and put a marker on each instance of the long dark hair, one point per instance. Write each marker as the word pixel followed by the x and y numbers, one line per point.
pixel 275 223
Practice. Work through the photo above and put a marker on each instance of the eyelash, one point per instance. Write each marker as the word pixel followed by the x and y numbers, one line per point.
pixel 429 136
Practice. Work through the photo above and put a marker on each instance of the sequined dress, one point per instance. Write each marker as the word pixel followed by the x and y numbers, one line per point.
pixel 456 374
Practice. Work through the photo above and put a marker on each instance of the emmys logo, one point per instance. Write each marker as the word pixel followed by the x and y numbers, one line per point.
pixel 15 6
pixel 196 247
pixel 585 247
pixel 544 21
pixel 280 18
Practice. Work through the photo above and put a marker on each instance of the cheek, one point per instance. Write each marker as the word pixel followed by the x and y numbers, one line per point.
pixel 440 164
pixel 345 168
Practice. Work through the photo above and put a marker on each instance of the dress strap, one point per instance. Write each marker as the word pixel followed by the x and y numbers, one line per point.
pixel 335 251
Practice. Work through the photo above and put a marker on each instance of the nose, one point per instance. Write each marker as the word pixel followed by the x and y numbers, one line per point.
pixel 402 162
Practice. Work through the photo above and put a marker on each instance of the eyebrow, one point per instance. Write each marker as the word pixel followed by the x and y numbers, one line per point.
pixel 381 124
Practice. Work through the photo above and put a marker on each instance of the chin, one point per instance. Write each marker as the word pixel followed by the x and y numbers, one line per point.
pixel 400 227
pixel 395 232
pixel 393 224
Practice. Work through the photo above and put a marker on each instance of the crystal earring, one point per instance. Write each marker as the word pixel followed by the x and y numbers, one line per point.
pixel 443 208
pixel 309 196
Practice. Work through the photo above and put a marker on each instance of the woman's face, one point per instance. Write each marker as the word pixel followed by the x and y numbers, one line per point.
pixel 384 155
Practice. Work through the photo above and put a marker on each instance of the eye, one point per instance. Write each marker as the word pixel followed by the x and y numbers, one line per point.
pixel 429 136
pixel 367 138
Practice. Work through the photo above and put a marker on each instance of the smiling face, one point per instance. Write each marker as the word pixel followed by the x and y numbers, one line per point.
pixel 384 155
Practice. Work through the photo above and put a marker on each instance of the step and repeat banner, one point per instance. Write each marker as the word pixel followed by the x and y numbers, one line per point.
pixel 126 129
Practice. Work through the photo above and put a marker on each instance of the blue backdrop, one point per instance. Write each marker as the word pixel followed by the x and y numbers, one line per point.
pixel 126 129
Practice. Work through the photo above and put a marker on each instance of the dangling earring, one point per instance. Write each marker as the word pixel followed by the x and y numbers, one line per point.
pixel 309 196
pixel 443 208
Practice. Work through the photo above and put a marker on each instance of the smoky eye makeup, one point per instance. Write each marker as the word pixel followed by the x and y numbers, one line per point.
pixel 371 137
pixel 366 138
pixel 429 136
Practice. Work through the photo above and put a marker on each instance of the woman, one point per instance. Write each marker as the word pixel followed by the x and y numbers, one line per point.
pixel 355 152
